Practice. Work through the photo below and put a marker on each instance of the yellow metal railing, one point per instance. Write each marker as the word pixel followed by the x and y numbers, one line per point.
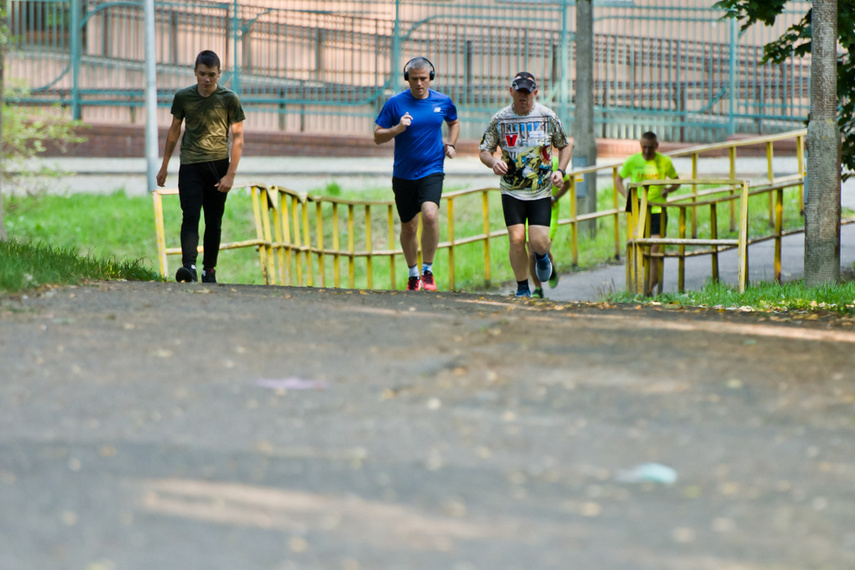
pixel 639 240
pixel 316 241
pixel 694 153
pixel 162 250
pixel 294 251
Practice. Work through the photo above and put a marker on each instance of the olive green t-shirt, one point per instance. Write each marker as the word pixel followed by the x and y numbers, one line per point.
pixel 207 121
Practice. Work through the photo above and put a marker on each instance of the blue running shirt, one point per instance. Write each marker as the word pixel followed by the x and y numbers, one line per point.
pixel 418 150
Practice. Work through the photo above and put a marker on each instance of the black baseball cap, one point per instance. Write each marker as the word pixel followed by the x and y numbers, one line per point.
pixel 524 80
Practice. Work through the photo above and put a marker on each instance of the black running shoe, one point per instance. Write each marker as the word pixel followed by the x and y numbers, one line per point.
pixel 186 274
pixel 209 276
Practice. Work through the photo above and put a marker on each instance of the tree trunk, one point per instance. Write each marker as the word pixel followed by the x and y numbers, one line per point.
pixel 822 211
pixel 584 141
pixel 3 36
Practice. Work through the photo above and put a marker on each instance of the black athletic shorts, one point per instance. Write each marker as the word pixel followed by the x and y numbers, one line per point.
pixel 411 194
pixel 536 212
pixel 658 225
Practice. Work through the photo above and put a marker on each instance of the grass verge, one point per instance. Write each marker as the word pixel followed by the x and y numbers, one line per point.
pixel 766 297
pixel 24 265
pixel 115 226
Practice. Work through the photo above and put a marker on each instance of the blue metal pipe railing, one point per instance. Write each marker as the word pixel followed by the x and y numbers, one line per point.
pixel 653 63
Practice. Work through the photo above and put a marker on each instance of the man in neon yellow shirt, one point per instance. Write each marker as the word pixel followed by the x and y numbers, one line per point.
pixel 650 165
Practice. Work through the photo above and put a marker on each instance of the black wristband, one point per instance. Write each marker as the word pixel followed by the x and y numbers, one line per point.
pixel 451 145
pixel 562 171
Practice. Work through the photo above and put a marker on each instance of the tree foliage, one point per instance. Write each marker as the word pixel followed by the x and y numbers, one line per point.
pixel 4 35
pixel 26 132
pixel 796 42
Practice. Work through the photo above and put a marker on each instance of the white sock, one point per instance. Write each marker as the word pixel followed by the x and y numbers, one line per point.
pixel 427 267
pixel 414 271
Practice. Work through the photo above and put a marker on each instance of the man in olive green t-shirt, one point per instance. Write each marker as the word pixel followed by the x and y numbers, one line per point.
pixel 650 165
pixel 206 174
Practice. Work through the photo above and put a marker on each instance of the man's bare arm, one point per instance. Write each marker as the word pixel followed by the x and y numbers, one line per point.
pixel 619 185
pixel 168 148
pixel 382 135
pixel 226 182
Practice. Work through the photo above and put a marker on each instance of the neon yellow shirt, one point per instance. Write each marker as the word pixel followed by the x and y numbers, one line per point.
pixel 637 170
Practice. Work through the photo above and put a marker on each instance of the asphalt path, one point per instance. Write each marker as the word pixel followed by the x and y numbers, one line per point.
pixel 158 425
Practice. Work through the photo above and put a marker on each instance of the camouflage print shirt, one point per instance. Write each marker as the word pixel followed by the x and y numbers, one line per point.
pixel 207 121
pixel 526 142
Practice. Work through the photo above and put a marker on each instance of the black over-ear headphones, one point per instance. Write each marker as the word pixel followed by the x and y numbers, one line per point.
pixel 407 71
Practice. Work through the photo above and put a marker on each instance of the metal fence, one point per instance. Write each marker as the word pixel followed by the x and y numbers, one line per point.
pixel 312 66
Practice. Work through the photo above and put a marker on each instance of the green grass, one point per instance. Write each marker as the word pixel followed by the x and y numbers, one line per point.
pixel 122 227
pixel 117 226
pixel 24 265
pixel 769 297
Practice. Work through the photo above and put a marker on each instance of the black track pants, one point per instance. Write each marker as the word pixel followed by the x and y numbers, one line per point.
pixel 197 193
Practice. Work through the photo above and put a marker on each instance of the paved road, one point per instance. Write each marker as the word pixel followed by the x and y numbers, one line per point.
pixel 153 425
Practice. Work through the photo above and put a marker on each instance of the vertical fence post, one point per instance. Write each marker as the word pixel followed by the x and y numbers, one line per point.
pixel 800 156
pixel 246 48
pixel 267 248
pixel 76 40
pixel 732 204
pixel 173 37
pixel 731 119
pixel 277 255
pixel 320 59
pixel 681 260
pixel 574 224
pixel 714 235
pixel 485 213
pixel 630 235
pixel 351 248
pixel 771 177
pixel 640 231
pixel 467 70
pixel 285 272
pixel 161 232
pixel 369 271
pixel 396 39
pixel 255 192
pixel 616 204
pixel 267 205
pixel 694 195
pixel 298 240
pixel 307 241
pixel 743 239
pixel 336 246
pixel 151 150
pixel 390 222
pixel 779 224
pixel 235 32
pixel 565 89
pixel 319 228
pixel 451 244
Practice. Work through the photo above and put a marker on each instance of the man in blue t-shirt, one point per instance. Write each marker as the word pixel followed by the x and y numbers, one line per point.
pixel 414 119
